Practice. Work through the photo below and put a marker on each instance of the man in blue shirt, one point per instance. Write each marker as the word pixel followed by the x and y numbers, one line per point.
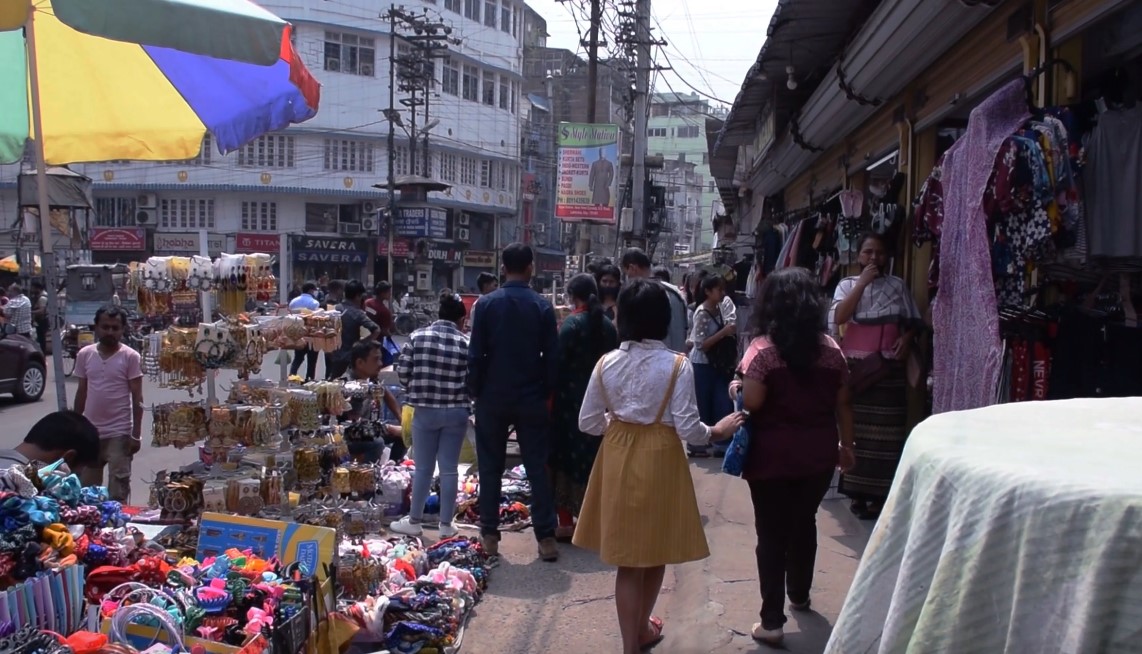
pixel 306 301
pixel 511 375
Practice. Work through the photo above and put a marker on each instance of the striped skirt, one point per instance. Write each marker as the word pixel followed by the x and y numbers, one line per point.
pixel 880 417
pixel 640 510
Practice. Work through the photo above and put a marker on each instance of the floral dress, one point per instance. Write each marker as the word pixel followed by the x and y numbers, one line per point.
pixel 573 452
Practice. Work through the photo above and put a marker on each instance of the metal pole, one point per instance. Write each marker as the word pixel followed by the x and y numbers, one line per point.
pixel 392 136
pixel 47 256
pixel 427 159
pixel 285 268
pixel 641 100
pixel 412 134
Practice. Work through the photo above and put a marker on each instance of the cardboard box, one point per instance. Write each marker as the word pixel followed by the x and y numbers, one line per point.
pixel 314 547
pixel 141 637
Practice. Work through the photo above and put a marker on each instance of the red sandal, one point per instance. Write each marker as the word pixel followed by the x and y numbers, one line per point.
pixel 656 627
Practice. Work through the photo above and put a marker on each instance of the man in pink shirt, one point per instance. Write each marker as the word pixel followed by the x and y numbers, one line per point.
pixel 110 395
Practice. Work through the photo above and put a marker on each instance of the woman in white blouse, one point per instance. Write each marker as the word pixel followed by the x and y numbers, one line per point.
pixel 640 512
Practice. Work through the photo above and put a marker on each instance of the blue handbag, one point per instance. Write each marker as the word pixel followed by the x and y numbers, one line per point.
pixel 389 351
pixel 734 460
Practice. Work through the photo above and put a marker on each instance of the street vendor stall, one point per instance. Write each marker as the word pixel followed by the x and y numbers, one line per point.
pixel 1012 528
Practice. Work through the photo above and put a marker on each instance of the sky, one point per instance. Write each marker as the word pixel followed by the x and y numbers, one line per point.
pixel 710 45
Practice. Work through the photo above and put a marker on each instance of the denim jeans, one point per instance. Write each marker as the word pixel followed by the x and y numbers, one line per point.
pixel 533 431
pixel 712 390
pixel 437 437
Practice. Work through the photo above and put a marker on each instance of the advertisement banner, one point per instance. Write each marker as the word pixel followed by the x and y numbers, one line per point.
pixel 253 242
pixel 114 239
pixel 421 222
pixel 188 243
pixel 480 258
pixel 310 249
pixel 588 173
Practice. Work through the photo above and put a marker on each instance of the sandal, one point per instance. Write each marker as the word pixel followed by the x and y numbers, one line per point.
pixel 656 627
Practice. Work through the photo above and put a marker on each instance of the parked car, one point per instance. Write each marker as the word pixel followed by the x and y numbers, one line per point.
pixel 22 369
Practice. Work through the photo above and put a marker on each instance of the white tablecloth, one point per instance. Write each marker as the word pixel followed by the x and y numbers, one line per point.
pixel 1010 529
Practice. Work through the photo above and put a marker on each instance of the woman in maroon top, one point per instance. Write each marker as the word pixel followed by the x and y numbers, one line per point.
pixel 801 427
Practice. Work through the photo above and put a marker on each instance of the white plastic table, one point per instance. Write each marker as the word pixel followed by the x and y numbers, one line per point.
pixel 1009 529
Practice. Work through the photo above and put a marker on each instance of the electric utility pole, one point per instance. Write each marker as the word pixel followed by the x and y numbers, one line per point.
pixel 412 73
pixel 642 72
pixel 583 230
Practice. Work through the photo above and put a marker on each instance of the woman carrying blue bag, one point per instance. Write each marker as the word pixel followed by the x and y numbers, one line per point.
pixel 800 427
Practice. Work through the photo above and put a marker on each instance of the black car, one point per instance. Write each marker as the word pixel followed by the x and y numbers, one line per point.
pixel 22 369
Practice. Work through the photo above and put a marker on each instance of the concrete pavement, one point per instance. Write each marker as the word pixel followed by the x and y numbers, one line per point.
pixel 531 606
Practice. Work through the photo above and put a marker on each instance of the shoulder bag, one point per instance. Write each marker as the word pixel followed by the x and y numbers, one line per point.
pixel 866 372
pixel 724 354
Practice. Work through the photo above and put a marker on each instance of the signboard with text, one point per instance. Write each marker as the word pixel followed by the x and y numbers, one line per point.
pixel 445 255
pixel 114 239
pixel 588 184
pixel 402 248
pixel 252 242
pixel 313 249
pixel 480 258
pixel 188 243
pixel 421 222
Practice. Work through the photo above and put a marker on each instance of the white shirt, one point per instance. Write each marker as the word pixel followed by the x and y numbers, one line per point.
pixel 304 301
pixel 636 377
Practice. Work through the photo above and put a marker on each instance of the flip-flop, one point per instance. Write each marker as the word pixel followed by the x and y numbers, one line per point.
pixel 656 626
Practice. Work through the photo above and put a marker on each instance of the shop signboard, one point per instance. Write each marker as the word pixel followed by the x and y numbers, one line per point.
pixel 421 222
pixel 188 243
pixel 479 258
pixel 587 190
pixel 402 248
pixel 446 255
pixel 320 249
pixel 116 239
pixel 251 242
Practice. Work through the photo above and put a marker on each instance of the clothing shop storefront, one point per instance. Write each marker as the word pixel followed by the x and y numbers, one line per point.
pixel 187 244
pixel 854 155
pixel 338 258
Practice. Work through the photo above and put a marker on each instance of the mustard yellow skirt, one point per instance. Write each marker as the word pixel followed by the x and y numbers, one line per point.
pixel 640 510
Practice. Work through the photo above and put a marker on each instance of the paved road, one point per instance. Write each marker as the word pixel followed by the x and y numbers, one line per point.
pixel 533 606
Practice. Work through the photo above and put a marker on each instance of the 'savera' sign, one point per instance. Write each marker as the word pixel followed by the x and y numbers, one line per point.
pixel 311 249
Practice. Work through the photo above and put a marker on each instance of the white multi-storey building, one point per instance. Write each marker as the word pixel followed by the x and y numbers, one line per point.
pixel 315 181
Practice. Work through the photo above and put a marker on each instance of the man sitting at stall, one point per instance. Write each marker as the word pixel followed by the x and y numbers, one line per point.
pixel 364 366
pixel 63 435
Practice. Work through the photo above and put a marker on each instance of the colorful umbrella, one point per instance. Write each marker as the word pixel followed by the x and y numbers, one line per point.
pixel 104 100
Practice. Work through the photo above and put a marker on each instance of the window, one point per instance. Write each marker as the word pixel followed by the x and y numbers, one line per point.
pixel 447 167
pixel 490 14
pixel 260 216
pixel 489 89
pixel 452 5
pixel 705 158
pixel 505 91
pixel 505 175
pixel 203 158
pixel 506 18
pixel 485 174
pixel 515 97
pixel 688 132
pixel 400 160
pixel 472 10
pixel 273 151
pixel 349 53
pixel 115 212
pixel 660 110
pixel 656 132
pixel 450 79
pixel 472 83
pixel 186 214
pixel 516 19
pixel 348 155
pixel 713 186
pixel 468 171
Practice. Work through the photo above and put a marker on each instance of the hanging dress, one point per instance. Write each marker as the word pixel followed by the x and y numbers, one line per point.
pixel 640 510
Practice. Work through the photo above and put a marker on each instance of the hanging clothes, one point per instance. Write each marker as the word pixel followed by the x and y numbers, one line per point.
pixel 1114 195
pixel 968 353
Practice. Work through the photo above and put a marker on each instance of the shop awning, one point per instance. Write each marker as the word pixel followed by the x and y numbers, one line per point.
pixel 897 43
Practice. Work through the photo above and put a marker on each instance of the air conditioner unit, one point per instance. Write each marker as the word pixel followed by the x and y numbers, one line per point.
pixel 333 64
pixel 145 217
pixel 368 206
pixel 367 70
pixel 369 224
pixel 349 228
pixel 462 219
pixel 147 201
pixel 462 234
pixel 539 228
